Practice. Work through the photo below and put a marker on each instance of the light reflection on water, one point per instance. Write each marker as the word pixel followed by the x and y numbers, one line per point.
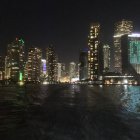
pixel 125 96
pixel 131 97
pixel 48 111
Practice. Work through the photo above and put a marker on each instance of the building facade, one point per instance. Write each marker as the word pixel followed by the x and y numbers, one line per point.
pixel 15 60
pixel 72 70
pixel 134 51
pixel 59 71
pixel 43 67
pixel 130 54
pixel 123 27
pixel 51 64
pixel 106 58
pixel 33 66
pixel 2 68
pixel 43 76
pixel 94 52
pixel 83 66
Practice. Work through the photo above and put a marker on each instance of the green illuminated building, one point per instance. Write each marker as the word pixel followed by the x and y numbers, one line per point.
pixel 15 60
pixel 130 54
pixel 134 51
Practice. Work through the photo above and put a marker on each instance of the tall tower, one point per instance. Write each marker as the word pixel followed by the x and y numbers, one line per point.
pixel 43 67
pixel 59 71
pixel 134 51
pixel 15 59
pixel 34 64
pixel 63 66
pixel 106 57
pixel 83 67
pixel 72 70
pixel 2 67
pixel 131 55
pixel 121 28
pixel 93 53
pixel 43 75
pixel 51 64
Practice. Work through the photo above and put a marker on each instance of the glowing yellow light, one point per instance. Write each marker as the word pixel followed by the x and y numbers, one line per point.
pixel 21 83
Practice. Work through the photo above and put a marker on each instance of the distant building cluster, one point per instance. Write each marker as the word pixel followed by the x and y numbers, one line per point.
pixel 94 62
pixel 18 67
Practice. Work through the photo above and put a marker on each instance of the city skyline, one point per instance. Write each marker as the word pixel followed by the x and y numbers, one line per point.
pixel 64 24
pixel 69 70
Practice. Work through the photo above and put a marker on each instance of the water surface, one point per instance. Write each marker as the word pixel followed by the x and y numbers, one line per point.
pixel 70 112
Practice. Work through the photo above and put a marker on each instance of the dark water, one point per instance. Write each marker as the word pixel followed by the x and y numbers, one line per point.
pixel 70 112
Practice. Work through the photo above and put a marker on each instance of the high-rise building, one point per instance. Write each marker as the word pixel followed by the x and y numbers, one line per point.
pixel 78 71
pixel 130 56
pixel 7 69
pixel 83 67
pixel 64 75
pixel 125 62
pixel 134 51
pixel 33 65
pixel 59 71
pixel 15 60
pixel 43 67
pixel 2 68
pixel 121 28
pixel 43 75
pixel 106 57
pixel 63 67
pixel 51 63
pixel 94 52
pixel 72 70
pixel 26 71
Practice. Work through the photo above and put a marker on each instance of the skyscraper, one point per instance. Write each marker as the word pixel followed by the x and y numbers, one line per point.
pixel 43 75
pixel 121 28
pixel 26 71
pixel 34 64
pixel 72 70
pixel 7 68
pixel 130 56
pixel 106 57
pixel 15 60
pixel 2 67
pixel 59 71
pixel 93 53
pixel 134 52
pixel 51 63
pixel 83 67
pixel 125 60
pixel 43 67
pixel 63 68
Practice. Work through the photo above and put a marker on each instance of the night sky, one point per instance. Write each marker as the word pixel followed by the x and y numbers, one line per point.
pixel 62 23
